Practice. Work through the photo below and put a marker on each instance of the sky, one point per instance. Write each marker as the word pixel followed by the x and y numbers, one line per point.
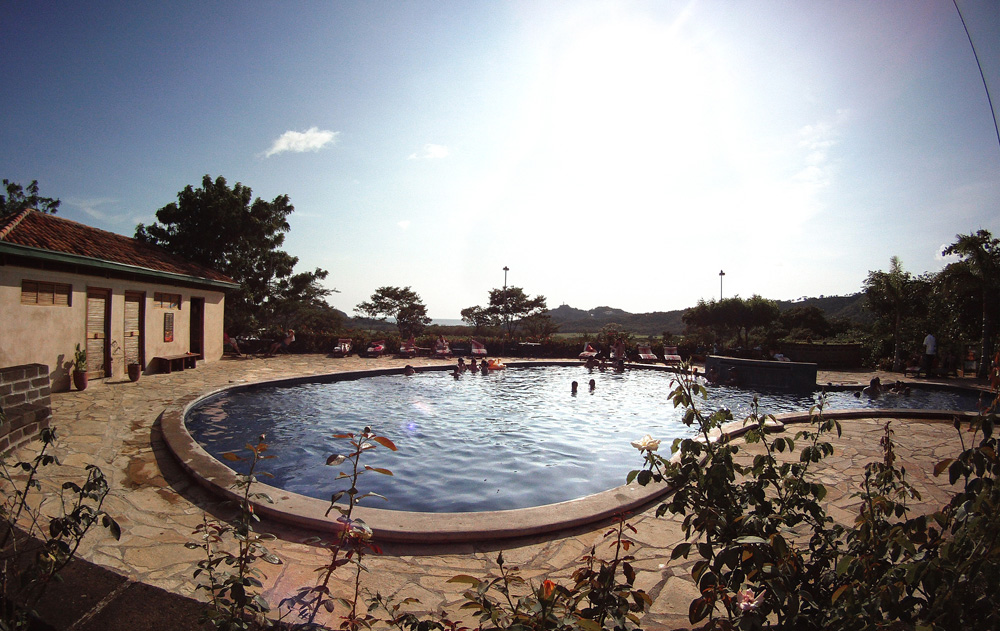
pixel 608 153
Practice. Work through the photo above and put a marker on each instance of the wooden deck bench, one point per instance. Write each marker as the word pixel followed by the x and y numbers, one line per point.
pixel 169 362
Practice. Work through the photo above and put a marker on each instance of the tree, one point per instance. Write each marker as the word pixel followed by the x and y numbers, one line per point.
pixel 539 326
pixel 478 317
pixel 15 200
pixel 400 303
pixel 733 315
pixel 808 319
pixel 890 295
pixel 509 307
pixel 300 303
pixel 757 313
pixel 227 230
pixel 980 254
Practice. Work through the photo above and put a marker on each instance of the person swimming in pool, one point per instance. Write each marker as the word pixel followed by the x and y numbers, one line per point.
pixel 874 389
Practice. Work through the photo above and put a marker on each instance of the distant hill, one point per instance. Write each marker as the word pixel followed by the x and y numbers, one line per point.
pixel 572 320
pixel 849 307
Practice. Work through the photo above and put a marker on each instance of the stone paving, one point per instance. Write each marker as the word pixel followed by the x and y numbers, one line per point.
pixel 114 425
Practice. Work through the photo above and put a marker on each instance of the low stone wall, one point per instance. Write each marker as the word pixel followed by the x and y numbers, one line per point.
pixel 845 356
pixel 26 401
pixel 768 375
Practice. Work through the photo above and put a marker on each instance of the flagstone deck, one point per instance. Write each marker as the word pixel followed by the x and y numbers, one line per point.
pixel 114 424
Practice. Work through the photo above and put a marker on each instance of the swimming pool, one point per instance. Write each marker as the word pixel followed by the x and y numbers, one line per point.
pixel 512 439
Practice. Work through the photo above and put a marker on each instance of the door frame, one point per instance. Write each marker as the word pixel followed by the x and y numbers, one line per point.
pixel 140 296
pixel 100 292
pixel 196 342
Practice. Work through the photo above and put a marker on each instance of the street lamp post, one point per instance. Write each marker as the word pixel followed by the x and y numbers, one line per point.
pixel 503 342
pixel 721 274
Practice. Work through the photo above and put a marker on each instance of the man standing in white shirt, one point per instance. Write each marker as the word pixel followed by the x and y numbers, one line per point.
pixel 930 349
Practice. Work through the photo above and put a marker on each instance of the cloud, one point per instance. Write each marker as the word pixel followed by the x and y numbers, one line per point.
pixel 948 258
pixel 404 224
pixel 313 139
pixel 817 141
pixel 89 206
pixel 430 152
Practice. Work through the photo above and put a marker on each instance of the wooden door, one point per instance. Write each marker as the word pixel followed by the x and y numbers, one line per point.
pixel 134 330
pixel 98 332
pixel 197 341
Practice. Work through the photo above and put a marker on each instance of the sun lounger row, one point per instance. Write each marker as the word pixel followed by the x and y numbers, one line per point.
pixel 407 349
pixel 645 352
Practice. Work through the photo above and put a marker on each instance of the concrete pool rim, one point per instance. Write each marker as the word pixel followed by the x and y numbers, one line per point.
pixel 413 527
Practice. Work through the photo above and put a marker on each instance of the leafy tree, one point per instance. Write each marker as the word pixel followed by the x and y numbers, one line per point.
pixel 226 229
pixel 806 318
pixel 733 314
pixel 300 303
pixel 400 303
pixel 980 267
pixel 539 326
pixel 890 295
pixel 757 312
pixel 15 200
pixel 508 307
pixel 478 317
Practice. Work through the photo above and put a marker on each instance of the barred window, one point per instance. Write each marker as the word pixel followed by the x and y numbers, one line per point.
pixel 49 294
pixel 167 301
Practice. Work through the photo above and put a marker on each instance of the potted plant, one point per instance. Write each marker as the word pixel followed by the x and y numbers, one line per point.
pixel 80 368
pixel 134 371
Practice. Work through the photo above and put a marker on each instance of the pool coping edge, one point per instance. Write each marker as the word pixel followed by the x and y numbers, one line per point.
pixel 417 527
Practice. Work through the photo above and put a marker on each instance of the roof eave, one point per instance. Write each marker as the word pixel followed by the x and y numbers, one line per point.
pixel 62 257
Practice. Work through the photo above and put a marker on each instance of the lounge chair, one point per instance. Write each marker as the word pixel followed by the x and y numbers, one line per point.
pixel 588 352
pixel 342 348
pixel 646 354
pixel 375 349
pixel 478 349
pixel 442 350
pixel 670 356
pixel 408 350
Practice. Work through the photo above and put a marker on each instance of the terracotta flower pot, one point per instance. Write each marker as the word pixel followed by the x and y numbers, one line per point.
pixel 80 379
pixel 134 372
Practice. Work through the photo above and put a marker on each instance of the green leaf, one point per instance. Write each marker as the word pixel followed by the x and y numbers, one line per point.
pixel 844 564
pixel 680 550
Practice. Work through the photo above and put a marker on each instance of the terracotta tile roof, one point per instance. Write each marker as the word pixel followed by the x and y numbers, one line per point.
pixel 47 232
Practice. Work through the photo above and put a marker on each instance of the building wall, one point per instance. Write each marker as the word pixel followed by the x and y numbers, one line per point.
pixel 48 334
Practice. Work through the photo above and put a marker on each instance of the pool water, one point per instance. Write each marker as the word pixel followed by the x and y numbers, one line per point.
pixel 511 439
